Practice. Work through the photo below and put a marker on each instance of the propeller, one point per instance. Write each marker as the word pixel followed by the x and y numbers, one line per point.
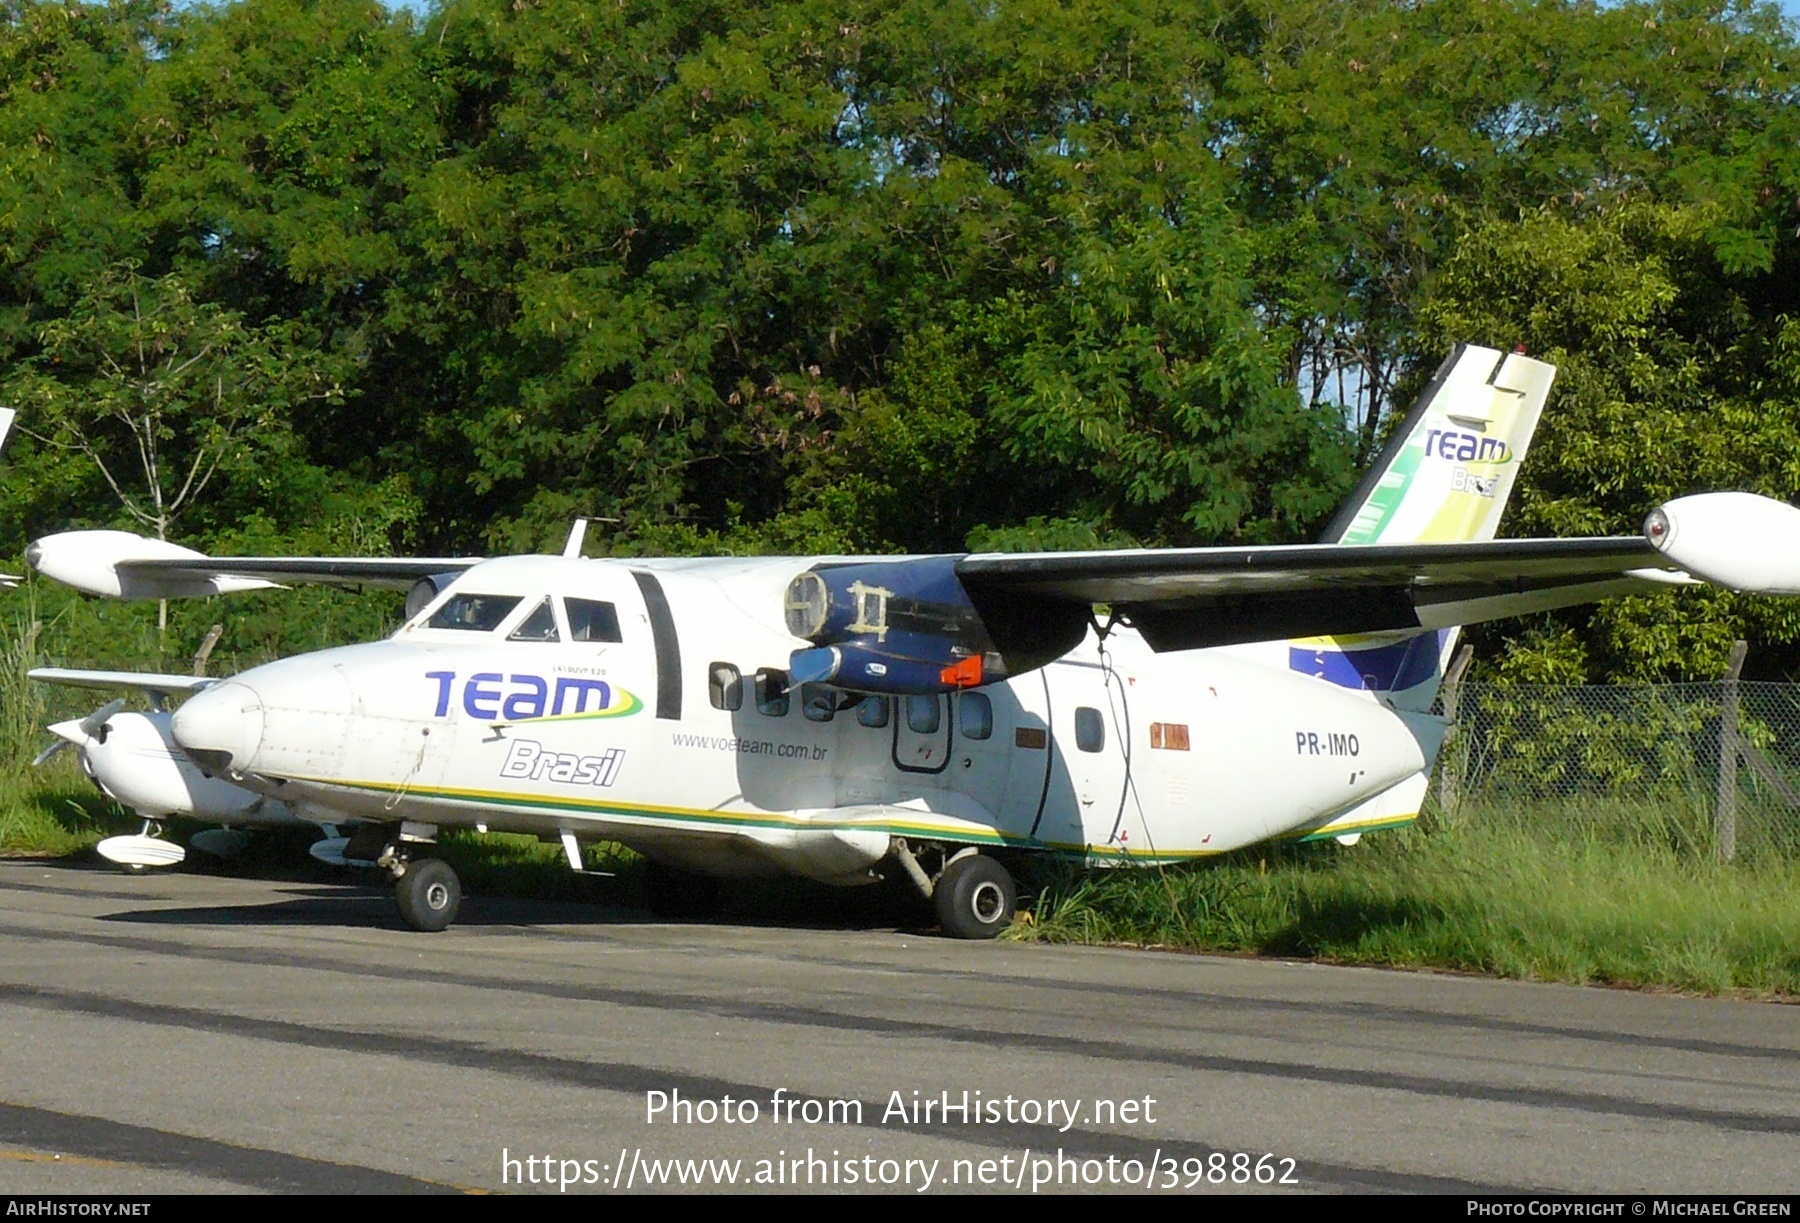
pixel 79 732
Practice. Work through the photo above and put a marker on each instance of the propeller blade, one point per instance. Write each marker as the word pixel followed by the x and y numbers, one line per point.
pixel 94 721
pixel 44 757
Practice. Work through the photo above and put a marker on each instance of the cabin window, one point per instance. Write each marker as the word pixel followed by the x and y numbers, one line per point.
pixel 817 703
pixel 772 692
pixel 592 620
pixel 922 715
pixel 873 712
pixel 977 714
pixel 540 625
pixel 474 613
pixel 1090 729
pixel 725 685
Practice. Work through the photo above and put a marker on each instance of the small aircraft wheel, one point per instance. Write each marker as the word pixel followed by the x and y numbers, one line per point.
pixel 429 894
pixel 671 892
pixel 975 898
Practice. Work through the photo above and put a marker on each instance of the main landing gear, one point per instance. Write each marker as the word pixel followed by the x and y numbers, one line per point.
pixel 137 854
pixel 974 895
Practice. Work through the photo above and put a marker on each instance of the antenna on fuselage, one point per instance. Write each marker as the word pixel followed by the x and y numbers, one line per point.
pixel 577 534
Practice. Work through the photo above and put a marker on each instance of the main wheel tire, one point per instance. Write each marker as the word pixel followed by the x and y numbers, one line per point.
pixel 975 898
pixel 429 894
pixel 672 892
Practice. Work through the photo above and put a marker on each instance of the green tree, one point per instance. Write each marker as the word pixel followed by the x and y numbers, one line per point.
pixel 160 392
pixel 1676 374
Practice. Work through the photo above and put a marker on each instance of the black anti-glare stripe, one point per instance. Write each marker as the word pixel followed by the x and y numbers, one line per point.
pixel 1049 750
pixel 668 646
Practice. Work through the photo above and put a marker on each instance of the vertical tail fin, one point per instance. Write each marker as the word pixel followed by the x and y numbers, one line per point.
pixel 1446 472
pixel 1443 477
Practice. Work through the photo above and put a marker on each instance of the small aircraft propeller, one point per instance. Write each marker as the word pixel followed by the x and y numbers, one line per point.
pixel 79 732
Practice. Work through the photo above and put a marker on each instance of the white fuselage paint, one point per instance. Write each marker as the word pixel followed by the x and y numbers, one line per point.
pixel 457 728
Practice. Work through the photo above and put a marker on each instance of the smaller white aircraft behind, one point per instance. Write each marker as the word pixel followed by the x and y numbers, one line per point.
pixel 134 760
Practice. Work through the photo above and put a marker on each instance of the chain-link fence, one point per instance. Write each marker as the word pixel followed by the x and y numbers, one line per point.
pixel 1704 767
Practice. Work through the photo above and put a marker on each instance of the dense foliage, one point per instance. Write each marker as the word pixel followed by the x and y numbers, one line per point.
pixel 919 274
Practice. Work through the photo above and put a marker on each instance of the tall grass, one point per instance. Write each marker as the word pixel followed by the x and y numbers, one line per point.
pixel 22 705
pixel 1626 896
pixel 53 809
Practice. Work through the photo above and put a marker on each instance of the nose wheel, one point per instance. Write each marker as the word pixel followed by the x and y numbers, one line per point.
pixel 429 894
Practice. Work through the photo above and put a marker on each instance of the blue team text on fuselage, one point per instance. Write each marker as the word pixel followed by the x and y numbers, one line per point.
pixel 492 696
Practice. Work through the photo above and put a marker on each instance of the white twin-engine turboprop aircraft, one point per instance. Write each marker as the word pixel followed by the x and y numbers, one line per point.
pixel 939 715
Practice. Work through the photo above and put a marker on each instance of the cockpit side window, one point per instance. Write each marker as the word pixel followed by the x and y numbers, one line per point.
pixel 474 613
pixel 540 625
pixel 592 620
pixel 725 687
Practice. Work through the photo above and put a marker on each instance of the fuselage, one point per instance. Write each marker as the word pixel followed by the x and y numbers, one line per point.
pixel 648 702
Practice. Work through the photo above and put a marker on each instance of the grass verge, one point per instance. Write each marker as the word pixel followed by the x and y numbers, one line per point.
pixel 1500 897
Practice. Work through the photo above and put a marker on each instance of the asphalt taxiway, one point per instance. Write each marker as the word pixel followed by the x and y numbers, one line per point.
pixel 185 1032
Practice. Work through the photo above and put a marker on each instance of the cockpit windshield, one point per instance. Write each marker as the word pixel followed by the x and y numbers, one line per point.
pixel 473 613
pixel 540 625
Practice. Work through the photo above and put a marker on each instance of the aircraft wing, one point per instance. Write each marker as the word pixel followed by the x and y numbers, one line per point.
pixel 145 681
pixel 387 572
pixel 1186 598
pixel 120 565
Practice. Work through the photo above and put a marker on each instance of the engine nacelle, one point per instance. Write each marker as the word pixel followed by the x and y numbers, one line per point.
pixel 426 589
pixel 1737 540
pixel 89 560
pixel 899 627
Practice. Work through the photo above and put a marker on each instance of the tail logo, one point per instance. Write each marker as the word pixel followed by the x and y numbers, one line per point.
pixel 1463 481
pixel 1460 447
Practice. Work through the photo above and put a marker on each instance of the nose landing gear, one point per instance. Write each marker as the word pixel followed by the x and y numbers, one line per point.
pixel 426 889
pixel 429 893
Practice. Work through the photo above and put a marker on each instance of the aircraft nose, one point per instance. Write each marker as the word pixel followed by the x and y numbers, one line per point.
pixel 221 728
